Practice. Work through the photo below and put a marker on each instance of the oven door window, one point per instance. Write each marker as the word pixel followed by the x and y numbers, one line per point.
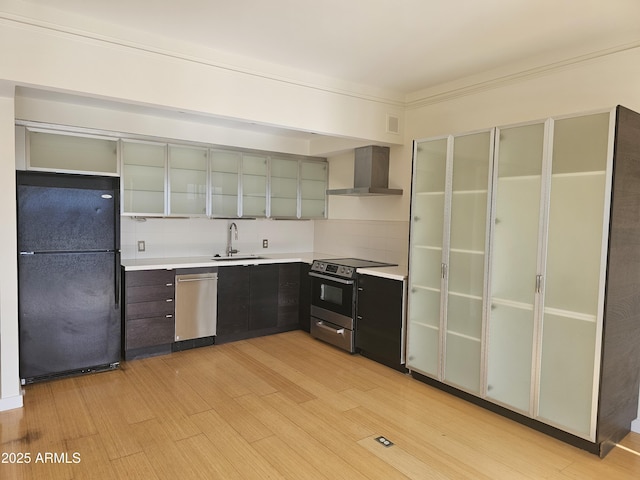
pixel 334 296
pixel 331 294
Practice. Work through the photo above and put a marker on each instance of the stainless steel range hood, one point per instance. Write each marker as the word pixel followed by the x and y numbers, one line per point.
pixel 370 174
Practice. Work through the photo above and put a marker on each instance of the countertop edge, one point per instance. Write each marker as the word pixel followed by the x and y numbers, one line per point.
pixel 172 263
pixel 394 273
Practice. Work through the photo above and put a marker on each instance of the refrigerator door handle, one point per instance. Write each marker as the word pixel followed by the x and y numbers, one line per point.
pixel 118 274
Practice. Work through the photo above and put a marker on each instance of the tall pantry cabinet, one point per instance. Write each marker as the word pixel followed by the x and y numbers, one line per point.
pixel 450 211
pixel 524 272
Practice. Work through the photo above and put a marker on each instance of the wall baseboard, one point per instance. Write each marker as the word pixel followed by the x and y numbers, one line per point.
pixel 10 403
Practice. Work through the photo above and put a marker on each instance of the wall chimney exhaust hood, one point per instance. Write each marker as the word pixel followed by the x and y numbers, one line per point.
pixel 370 174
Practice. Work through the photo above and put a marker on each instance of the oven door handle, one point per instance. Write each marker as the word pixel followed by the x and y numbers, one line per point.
pixel 338 331
pixel 331 279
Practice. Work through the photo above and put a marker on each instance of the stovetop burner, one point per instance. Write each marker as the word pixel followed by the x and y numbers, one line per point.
pixel 345 267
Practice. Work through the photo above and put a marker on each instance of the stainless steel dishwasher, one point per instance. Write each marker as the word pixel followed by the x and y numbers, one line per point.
pixel 196 304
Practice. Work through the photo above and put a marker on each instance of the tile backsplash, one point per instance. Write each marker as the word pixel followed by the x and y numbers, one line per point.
pixel 385 241
pixel 194 237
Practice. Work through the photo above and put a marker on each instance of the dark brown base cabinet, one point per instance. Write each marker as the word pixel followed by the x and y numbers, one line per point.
pixel 379 332
pixel 257 300
pixel 289 295
pixel 253 300
pixel 233 303
pixel 149 327
pixel 304 309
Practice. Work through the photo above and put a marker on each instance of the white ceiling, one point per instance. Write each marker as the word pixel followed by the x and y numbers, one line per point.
pixel 395 46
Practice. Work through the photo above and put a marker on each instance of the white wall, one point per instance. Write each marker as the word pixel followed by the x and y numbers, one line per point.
pixel 38 56
pixel 595 84
pixel 111 117
pixel 380 240
pixel 384 207
pixel 10 396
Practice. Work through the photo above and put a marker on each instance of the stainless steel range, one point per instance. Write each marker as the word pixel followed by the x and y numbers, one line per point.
pixel 334 292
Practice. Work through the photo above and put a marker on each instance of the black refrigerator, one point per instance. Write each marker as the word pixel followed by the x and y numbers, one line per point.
pixel 68 274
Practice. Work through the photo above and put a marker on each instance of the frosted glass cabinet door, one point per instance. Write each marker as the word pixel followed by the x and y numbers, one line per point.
pixel 573 271
pixel 425 270
pixel 225 169
pixel 143 177
pixel 284 188
pixel 254 185
pixel 53 151
pixel 313 187
pixel 516 236
pixel 472 156
pixel 187 180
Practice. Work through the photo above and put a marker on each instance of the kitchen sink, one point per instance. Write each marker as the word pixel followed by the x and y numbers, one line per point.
pixel 237 257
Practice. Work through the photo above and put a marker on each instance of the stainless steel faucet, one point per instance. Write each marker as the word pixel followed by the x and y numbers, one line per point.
pixel 230 249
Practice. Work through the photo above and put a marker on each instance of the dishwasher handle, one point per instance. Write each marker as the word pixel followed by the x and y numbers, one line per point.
pixel 196 277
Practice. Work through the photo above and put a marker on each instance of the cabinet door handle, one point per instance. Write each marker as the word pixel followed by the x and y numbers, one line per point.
pixel 169 285
pixel 169 299
pixel 538 283
pixel 169 316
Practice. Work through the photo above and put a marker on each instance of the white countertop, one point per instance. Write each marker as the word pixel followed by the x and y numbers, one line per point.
pixel 208 261
pixel 396 272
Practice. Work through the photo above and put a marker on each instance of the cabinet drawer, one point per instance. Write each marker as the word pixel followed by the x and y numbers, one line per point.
pixel 150 309
pixel 147 293
pixel 149 277
pixel 147 332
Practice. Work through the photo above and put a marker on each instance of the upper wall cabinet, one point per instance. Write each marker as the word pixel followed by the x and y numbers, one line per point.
pixel 298 188
pixel 144 178
pixel 247 184
pixel 313 188
pixel 525 272
pixel 225 181
pixel 162 179
pixel 254 185
pixel 48 150
pixel 284 187
pixel 188 180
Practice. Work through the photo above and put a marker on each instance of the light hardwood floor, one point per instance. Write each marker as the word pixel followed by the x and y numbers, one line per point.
pixel 279 407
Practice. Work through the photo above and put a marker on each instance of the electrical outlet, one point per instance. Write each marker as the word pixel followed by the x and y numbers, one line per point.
pixel 141 246
pixel 265 243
